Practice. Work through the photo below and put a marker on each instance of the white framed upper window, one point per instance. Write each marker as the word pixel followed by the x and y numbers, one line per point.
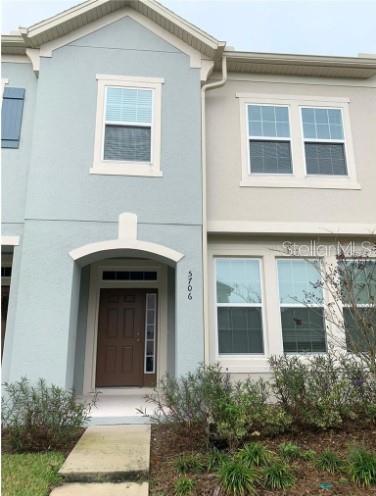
pixel 296 142
pixel 239 305
pixel 269 144
pixel 128 126
pixel 324 141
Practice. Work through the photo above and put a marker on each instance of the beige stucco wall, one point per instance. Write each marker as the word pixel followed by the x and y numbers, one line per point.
pixel 227 201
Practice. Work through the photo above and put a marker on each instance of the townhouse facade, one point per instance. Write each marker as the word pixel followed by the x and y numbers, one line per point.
pixel 153 178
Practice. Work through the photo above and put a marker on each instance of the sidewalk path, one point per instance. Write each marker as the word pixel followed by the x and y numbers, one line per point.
pixel 108 460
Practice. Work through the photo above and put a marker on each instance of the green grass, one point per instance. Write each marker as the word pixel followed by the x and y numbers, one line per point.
pixel 254 454
pixel 30 474
pixel 289 451
pixel 277 475
pixel 329 461
pixel 236 478
pixel 191 462
pixel 184 486
pixel 362 467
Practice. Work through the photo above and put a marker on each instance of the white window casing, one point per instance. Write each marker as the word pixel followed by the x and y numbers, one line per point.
pixel 293 302
pixel 268 254
pixel 299 177
pixel 253 356
pixel 128 167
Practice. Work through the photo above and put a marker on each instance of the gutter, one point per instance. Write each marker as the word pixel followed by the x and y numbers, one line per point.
pixel 204 89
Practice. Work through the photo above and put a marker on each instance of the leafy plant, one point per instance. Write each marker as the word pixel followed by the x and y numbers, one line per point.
pixel 214 459
pixel 254 454
pixel 236 478
pixel 362 467
pixel 225 410
pixel 191 462
pixel 277 475
pixel 309 455
pixel 184 486
pixel 40 417
pixel 325 390
pixel 329 461
pixel 289 451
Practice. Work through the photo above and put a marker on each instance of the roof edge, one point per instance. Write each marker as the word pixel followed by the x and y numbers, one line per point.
pixel 293 58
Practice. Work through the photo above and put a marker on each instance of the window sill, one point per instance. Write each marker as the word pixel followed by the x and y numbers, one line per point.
pixel 121 169
pixel 244 364
pixel 279 181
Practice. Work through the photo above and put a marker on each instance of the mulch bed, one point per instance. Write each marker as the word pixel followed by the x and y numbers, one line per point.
pixel 167 443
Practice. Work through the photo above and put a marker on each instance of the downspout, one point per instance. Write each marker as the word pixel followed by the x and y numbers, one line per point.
pixel 204 89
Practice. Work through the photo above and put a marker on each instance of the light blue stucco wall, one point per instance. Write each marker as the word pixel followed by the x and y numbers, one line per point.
pixel 63 151
pixel 66 207
pixel 16 161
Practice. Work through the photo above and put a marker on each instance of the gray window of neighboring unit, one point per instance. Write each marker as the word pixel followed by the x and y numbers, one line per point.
pixel 358 292
pixel 301 304
pixel 269 139
pixel 239 306
pixel 11 117
pixel 324 142
pixel 128 124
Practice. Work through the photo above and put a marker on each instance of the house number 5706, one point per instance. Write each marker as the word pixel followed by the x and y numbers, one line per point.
pixel 189 287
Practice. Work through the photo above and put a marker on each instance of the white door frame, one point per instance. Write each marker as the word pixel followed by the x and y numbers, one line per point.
pixel 95 285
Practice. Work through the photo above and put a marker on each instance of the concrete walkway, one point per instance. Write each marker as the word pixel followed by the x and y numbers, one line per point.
pixel 104 489
pixel 108 460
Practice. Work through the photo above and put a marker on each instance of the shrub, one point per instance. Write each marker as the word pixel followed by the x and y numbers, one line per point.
pixel 277 475
pixel 236 478
pixel 184 486
pixel 290 451
pixel 254 454
pixel 325 390
pixel 362 467
pixel 191 462
pixel 40 417
pixel 329 461
pixel 187 400
pixel 227 411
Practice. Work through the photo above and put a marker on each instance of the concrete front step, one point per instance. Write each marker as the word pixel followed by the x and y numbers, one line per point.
pixel 111 453
pixel 105 489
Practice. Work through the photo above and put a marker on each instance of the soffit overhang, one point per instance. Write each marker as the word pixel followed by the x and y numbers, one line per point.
pixel 300 65
pixel 87 12
pixel 68 21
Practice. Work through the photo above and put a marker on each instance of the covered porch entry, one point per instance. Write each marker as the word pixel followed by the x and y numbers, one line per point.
pixel 125 340
pixel 129 336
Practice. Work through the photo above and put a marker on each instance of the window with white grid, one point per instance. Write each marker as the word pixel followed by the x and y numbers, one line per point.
pixel 128 126
pixel 324 141
pixel 301 306
pixel 269 139
pixel 239 306
pixel 358 290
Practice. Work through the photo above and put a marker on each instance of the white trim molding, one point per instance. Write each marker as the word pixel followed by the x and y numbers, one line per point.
pixel 268 252
pixel 299 177
pixel 116 245
pixel 128 168
pixel 194 55
pixel 10 240
pixel 325 228
pixel 127 240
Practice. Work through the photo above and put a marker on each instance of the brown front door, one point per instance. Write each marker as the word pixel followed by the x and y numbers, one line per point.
pixel 121 338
